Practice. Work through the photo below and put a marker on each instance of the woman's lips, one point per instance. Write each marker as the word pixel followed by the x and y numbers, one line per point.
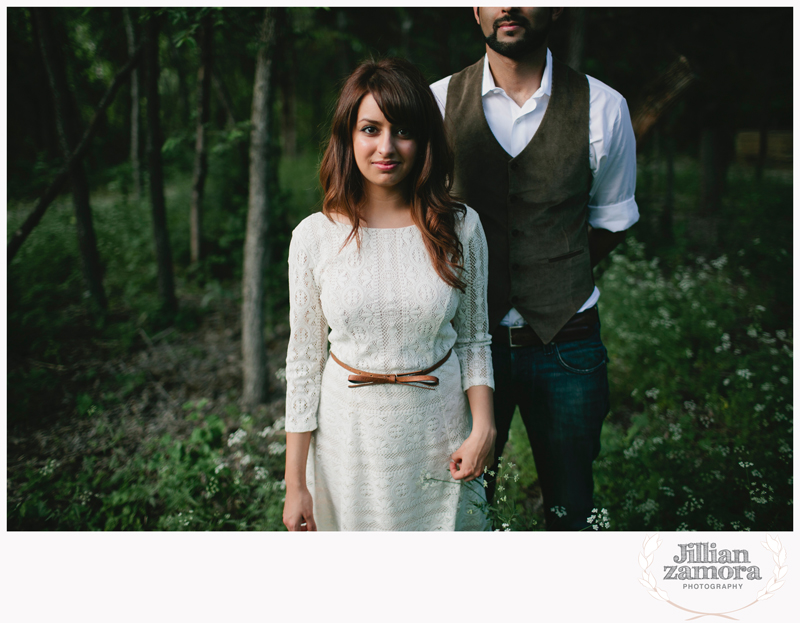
pixel 386 166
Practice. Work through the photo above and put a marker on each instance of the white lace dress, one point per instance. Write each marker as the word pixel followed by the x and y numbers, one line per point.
pixel 378 452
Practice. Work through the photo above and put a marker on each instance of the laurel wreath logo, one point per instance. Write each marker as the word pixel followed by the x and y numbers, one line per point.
pixel 648 580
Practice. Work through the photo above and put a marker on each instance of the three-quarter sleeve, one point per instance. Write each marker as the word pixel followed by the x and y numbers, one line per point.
pixel 305 357
pixel 471 321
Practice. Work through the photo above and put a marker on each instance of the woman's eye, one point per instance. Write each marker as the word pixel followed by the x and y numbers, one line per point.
pixel 369 129
pixel 403 132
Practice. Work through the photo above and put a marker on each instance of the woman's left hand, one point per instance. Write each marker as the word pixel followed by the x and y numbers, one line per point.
pixel 476 453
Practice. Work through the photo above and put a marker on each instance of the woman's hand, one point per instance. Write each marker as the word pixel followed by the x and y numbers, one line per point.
pixel 475 453
pixel 298 511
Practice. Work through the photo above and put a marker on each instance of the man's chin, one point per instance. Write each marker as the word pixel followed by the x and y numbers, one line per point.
pixel 515 48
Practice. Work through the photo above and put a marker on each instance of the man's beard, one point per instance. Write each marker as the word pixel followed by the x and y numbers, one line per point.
pixel 522 46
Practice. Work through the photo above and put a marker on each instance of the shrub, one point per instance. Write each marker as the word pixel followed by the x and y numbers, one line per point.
pixel 211 480
pixel 701 429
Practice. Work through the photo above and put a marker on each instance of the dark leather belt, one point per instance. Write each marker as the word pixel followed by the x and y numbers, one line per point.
pixel 418 378
pixel 579 327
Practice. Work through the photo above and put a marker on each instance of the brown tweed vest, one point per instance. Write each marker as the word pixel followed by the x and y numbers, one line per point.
pixel 533 207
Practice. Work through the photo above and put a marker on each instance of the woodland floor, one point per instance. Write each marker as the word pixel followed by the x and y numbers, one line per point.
pixel 143 392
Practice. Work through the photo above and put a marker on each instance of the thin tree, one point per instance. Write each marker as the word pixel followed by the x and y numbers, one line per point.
pixel 166 281
pixel 223 98
pixel 68 126
pixel 286 78
pixel 204 77
pixel 577 38
pixel 254 361
pixel 136 166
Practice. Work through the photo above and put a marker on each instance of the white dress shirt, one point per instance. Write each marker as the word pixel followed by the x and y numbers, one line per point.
pixel 612 147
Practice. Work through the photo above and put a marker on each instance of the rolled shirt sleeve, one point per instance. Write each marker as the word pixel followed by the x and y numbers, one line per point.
pixel 612 205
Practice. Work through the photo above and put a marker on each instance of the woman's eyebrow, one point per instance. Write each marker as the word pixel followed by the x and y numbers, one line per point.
pixel 369 121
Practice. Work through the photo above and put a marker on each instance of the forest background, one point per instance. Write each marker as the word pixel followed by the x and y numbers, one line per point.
pixel 147 296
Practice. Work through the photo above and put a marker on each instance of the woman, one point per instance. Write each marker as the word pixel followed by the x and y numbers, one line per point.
pixel 387 265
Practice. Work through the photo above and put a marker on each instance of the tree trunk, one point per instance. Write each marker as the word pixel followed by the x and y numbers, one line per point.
pixel 577 38
pixel 45 129
pixel 710 191
pixel 136 167
pixel 254 364
pixel 67 124
pixel 669 190
pixel 286 76
pixel 166 282
pixel 223 97
pixel 201 154
pixel 406 27
pixel 763 134
pixel 183 90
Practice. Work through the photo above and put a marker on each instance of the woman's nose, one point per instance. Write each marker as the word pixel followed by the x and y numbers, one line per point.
pixel 386 144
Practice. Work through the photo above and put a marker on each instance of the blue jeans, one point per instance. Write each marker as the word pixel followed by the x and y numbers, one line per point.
pixel 562 393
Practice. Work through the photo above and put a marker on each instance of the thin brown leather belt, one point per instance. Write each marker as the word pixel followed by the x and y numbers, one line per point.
pixel 578 327
pixel 419 378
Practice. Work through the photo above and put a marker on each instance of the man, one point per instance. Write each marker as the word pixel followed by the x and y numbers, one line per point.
pixel 555 193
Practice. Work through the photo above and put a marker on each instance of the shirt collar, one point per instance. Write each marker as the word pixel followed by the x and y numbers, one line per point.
pixel 544 89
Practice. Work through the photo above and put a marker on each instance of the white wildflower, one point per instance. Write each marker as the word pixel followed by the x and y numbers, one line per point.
pixel 652 393
pixel 276 447
pixel 237 438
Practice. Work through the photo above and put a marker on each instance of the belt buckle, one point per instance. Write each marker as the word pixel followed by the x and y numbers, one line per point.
pixel 510 339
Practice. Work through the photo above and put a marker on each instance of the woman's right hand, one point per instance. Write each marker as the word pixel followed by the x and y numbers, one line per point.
pixel 298 511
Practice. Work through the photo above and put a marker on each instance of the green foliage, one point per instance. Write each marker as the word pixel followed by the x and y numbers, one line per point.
pixel 209 480
pixel 700 434
pixel 508 511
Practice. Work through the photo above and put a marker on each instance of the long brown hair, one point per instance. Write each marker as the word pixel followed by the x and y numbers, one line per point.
pixel 403 95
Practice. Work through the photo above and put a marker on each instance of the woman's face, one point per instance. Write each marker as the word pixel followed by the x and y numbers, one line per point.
pixel 384 153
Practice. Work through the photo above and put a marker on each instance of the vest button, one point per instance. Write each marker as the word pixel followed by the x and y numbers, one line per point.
pixel 516 233
pixel 514 166
pixel 513 198
pixel 515 299
pixel 515 267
